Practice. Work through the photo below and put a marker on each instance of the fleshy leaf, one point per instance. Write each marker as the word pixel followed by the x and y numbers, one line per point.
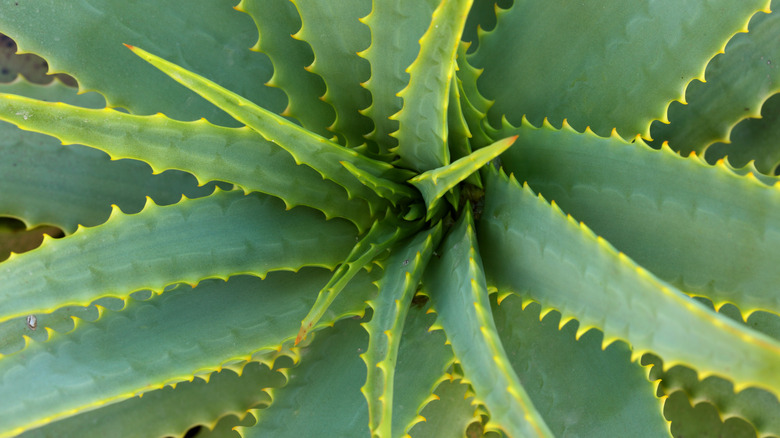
pixel 702 228
pixel 217 236
pixel 306 147
pixel 236 155
pixel 579 388
pixel 422 131
pixel 277 21
pixel 738 83
pixel 659 47
pixel 209 37
pixel 394 192
pixel 449 414
pixel 336 60
pixel 396 28
pixel 434 183
pixel 172 411
pixel 195 330
pixel 532 248
pixel 402 273
pixel 381 237
pixel 456 285
pixel 753 141
pixel 324 390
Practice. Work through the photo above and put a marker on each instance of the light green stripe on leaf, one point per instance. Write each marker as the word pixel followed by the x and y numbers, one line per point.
pixel 611 66
pixel 402 273
pixel 422 131
pixel 236 155
pixel 219 236
pixel 456 285
pixel 306 147
pixel 195 332
pixel 702 228
pixel 433 184
pixel 533 249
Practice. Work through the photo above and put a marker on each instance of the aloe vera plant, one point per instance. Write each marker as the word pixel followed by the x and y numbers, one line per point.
pixel 420 218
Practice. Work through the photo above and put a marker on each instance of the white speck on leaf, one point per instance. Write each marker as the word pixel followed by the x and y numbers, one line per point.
pixel 32 322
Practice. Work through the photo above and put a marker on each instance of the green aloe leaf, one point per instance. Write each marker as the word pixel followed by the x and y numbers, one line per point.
pixel 210 37
pixel 381 237
pixel 239 156
pixel 393 192
pixel 738 83
pixel 396 28
pixel 213 237
pixel 321 154
pixel 402 274
pixel 579 388
pixel 336 60
pixel 422 131
pixel 171 411
pixel 704 229
pixel 433 184
pixel 195 331
pixel 46 183
pixel 755 408
pixel 535 250
pixel 473 106
pixel 323 396
pixel 449 414
pixel 751 142
pixel 581 71
pixel 456 285
pixel 277 21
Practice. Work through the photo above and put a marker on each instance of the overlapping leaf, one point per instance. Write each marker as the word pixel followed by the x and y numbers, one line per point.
pixel 608 67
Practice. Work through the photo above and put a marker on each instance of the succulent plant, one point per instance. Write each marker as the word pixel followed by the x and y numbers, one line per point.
pixel 368 218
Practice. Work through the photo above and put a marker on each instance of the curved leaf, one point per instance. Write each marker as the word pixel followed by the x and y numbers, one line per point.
pixel 209 37
pixel 434 183
pixel 195 332
pixel 705 229
pixel 579 388
pixel 321 154
pixel 422 130
pixel 214 237
pixel 396 28
pixel 380 238
pixel 533 249
pixel 738 83
pixel 239 156
pixel 609 66
pixel 277 21
pixel 753 141
pixel 449 414
pixel 402 273
pixel 336 60
pixel 456 285
pixel 172 411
